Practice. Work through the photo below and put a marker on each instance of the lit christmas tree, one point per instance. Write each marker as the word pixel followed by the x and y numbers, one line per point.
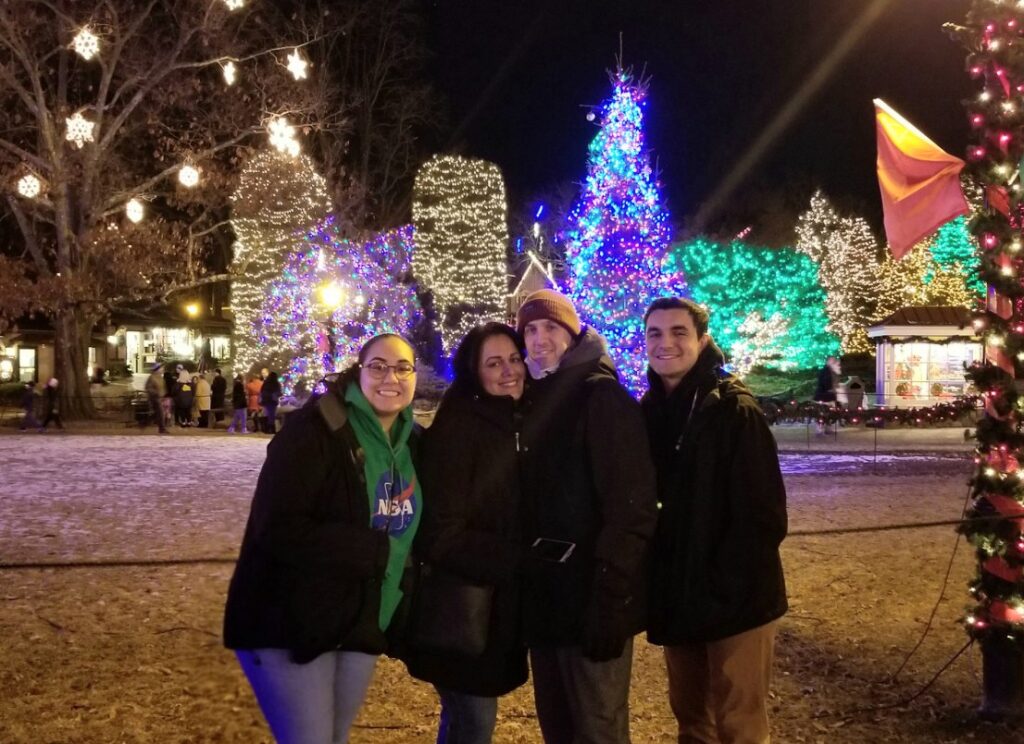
pixel 460 214
pixel 619 232
pixel 331 296
pixel 954 249
pixel 918 279
pixel 279 198
pixel 846 253
pixel 738 281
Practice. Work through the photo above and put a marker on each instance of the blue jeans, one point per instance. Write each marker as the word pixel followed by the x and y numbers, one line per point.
pixel 314 702
pixel 466 719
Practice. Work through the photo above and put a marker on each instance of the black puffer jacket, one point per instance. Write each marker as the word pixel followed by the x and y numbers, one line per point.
pixel 309 573
pixel 470 471
pixel 716 567
pixel 587 479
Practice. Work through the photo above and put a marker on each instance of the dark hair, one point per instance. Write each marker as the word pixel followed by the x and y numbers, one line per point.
pixel 351 373
pixel 217 370
pixel 466 362
pixel 700 315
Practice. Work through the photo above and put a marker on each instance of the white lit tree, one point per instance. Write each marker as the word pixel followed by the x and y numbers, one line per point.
pixel 918 279
pixel 460 215
pixel 120 125
pixel 279 197
pixel 759 341
pixel 846 253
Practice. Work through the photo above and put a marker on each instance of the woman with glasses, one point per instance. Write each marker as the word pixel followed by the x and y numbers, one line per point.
pixel 319 576
pixel 471 528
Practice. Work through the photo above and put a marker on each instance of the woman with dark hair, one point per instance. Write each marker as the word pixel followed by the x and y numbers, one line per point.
pixel 270 397
pixel 471 528
pixel 320 574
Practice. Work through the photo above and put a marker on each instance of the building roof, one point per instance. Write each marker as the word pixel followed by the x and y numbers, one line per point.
pixel 928 316
pixel 535 277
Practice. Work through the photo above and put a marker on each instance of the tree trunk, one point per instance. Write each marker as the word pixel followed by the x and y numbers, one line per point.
pixel 70 359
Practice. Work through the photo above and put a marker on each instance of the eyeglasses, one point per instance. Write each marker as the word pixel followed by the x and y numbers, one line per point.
pixel 379 370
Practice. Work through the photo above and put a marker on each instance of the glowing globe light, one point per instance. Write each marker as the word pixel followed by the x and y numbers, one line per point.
pixel 188 176
pixel 134 210
pixel 29 186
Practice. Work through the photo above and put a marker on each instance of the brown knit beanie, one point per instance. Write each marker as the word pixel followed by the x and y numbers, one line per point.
pixel 547 304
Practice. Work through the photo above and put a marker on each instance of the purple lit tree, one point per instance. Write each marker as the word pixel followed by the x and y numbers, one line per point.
pixel 619 231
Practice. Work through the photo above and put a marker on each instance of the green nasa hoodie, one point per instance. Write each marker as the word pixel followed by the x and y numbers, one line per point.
pixel 394 492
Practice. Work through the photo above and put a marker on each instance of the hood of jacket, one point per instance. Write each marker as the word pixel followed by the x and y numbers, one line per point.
pixel 589 347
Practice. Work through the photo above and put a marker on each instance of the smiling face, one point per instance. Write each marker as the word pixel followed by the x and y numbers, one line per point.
pixel 501 369
pixel 389 395
pixel 673 345
pixel 546 342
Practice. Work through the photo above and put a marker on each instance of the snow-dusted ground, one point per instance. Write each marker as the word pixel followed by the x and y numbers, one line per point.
pixel 133 654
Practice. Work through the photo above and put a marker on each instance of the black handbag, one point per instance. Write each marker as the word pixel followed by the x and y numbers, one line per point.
pixel 450 614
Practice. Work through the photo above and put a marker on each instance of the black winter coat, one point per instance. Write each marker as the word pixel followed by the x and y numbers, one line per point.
pixel 238 397
pixel 716 567
pixel 309 573
pixel 270 393
pixel 470 472
pixel 218 390
pixel 587 479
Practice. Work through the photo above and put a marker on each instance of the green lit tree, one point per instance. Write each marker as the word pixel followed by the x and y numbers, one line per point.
pixel 738 282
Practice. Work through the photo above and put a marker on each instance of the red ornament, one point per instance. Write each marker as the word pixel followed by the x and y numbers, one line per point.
pixel 976 153
pixel 989 240
pixel 977 120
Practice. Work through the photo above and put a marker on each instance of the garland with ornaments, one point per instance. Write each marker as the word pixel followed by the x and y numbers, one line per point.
pixel 994 38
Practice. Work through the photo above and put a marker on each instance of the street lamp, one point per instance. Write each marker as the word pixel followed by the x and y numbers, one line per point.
pixel 332 295
pixel 192 310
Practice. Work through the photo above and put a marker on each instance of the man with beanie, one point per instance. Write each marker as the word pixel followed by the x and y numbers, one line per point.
pixel 589 513
pixel 717 582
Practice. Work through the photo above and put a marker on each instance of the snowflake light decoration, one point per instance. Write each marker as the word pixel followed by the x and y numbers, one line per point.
pixel 297 65
pixel 282 136
pixel 234 4
pixel 79 130
pixel 86 44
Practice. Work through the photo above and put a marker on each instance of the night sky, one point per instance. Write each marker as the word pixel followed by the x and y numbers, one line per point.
pixel 517 76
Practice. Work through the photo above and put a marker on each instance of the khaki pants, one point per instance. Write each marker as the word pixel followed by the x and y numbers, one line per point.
pixel 719 690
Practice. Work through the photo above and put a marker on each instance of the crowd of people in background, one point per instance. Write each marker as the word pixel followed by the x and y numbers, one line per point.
pixel 176 396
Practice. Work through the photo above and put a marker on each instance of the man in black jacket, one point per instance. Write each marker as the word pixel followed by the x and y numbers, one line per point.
pixel 589 512
pixel 717 583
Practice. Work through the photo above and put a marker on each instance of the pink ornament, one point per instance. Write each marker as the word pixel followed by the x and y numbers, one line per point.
pixel 976 70
pixel 976 153
pixel 989 240
pixel 1004 139
pixel 977 120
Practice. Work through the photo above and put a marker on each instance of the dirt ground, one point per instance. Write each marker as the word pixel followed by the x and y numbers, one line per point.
pixel 134 654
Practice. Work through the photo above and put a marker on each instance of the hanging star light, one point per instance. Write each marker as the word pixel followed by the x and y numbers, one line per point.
pixel 230 73
pixel 134 210
pixel 79 130
pixel 29 186
pixel 86 44
pixel 234 4
pixel 282 136
pixel 188 176
pixel 297 65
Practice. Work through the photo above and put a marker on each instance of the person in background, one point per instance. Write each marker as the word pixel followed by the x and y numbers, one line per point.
pixel 252 390
pixel 219 389
pixel 203 401
pixel 319 576
pixel 239 404
pixel 470 464
pixel 270 396
pixel 156 390
pixel 52 405
pixel 184 394
pixel 589 514
pixel 28 405
pixel 825 390
pixel 718 586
